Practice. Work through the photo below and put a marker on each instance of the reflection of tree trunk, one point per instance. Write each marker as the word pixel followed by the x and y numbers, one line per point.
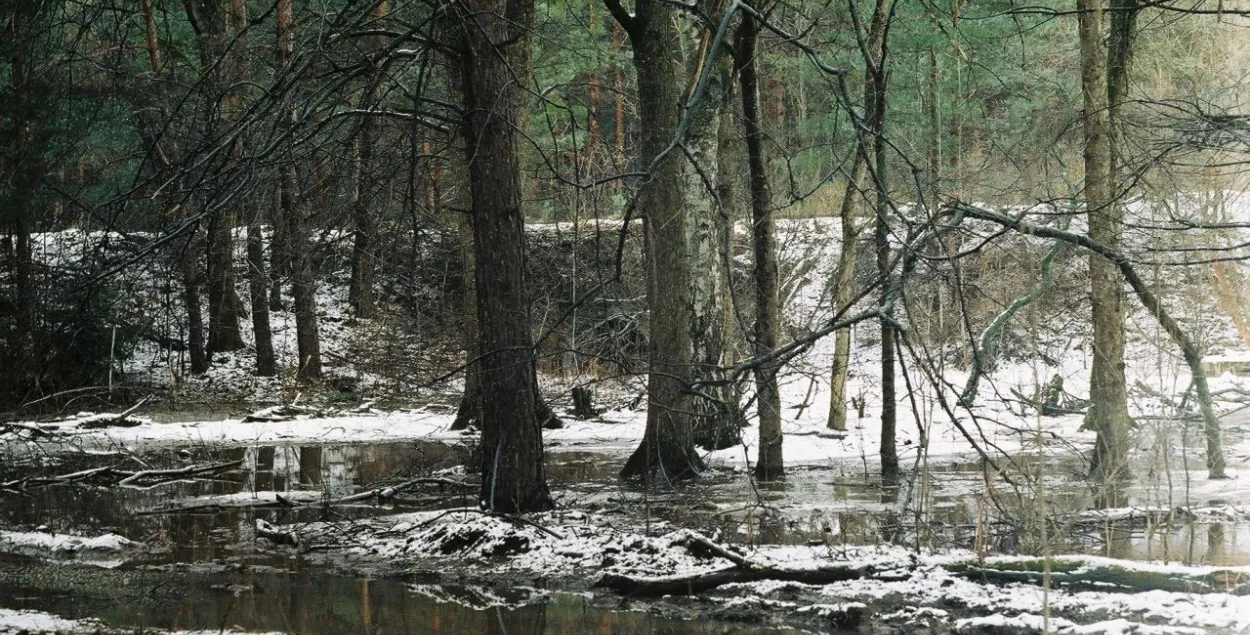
pixel 770 464
pixel 310 465
pixel 667 447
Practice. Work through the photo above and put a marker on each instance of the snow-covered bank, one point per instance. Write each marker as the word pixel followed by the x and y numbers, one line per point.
pixel 904 588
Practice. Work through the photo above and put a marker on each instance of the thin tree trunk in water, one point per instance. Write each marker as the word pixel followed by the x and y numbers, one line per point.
pixel 844 288
pixel 770 464
pixel 513 472
pixel 1108 412
pixel 360 294
pixel 295 241
pixel 667 448
pixel 881 239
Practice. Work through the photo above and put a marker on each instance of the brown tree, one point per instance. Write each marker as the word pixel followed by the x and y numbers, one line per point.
pixel 1108 412
pixel 291 226
pixel 667 448
pixel 513 474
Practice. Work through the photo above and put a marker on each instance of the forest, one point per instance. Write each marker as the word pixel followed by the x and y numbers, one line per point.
pixel 641 316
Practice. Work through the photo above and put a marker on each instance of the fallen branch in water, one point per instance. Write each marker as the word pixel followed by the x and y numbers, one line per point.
pixel 112 475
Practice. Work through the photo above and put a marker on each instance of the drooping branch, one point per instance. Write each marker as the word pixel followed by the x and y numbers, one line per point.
pixel 987 355
pixel 1211 421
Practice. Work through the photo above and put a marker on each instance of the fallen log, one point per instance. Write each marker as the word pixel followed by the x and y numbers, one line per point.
pixel 699 582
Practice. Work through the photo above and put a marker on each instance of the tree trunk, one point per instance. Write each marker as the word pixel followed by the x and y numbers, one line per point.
pixel 1108 412
pixel 876 58
pixel 716 410
pixel 208 19
pixel 23 165
pixel 258 285
pixel 470 411
pixel 295 241
pixel 770 464
pixel 844 287
pixel 844 292
pixel 360 294
pixel 224 305
pixel 667 448
pixel 191 299
pixel 513 472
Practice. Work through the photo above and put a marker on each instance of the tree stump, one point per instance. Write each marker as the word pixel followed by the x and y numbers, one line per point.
pixel 584 403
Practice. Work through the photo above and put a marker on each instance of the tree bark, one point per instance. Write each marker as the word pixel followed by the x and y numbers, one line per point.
pixel 844 292
pixel 716 409
pixel 876 59
pixel 667 448
pixel 513 472
pixel 360 293
pixel 770 465
pixel 295 241
pixel 191 300
pixel 1108 412
pixel 258 285
pixel 208 20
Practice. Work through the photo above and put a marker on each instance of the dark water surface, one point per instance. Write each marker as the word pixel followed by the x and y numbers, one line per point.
pixel 201 569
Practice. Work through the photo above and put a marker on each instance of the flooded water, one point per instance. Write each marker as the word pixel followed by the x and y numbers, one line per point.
pixel 317 603
pixel 202 571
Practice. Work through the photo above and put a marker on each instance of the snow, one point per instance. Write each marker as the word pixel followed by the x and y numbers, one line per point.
pixel 63 545
pixel 19 622
pixel 29 622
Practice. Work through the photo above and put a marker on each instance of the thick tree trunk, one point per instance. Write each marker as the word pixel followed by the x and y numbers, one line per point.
pixel 667 448
pixel 1108 412
pixel 770 464
pixel 224 306
pixel 513 472
pixel 716 410
pixel 295 241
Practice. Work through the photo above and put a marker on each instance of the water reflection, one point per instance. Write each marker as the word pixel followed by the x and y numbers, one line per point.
pixel 313 604
pixel 834 505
